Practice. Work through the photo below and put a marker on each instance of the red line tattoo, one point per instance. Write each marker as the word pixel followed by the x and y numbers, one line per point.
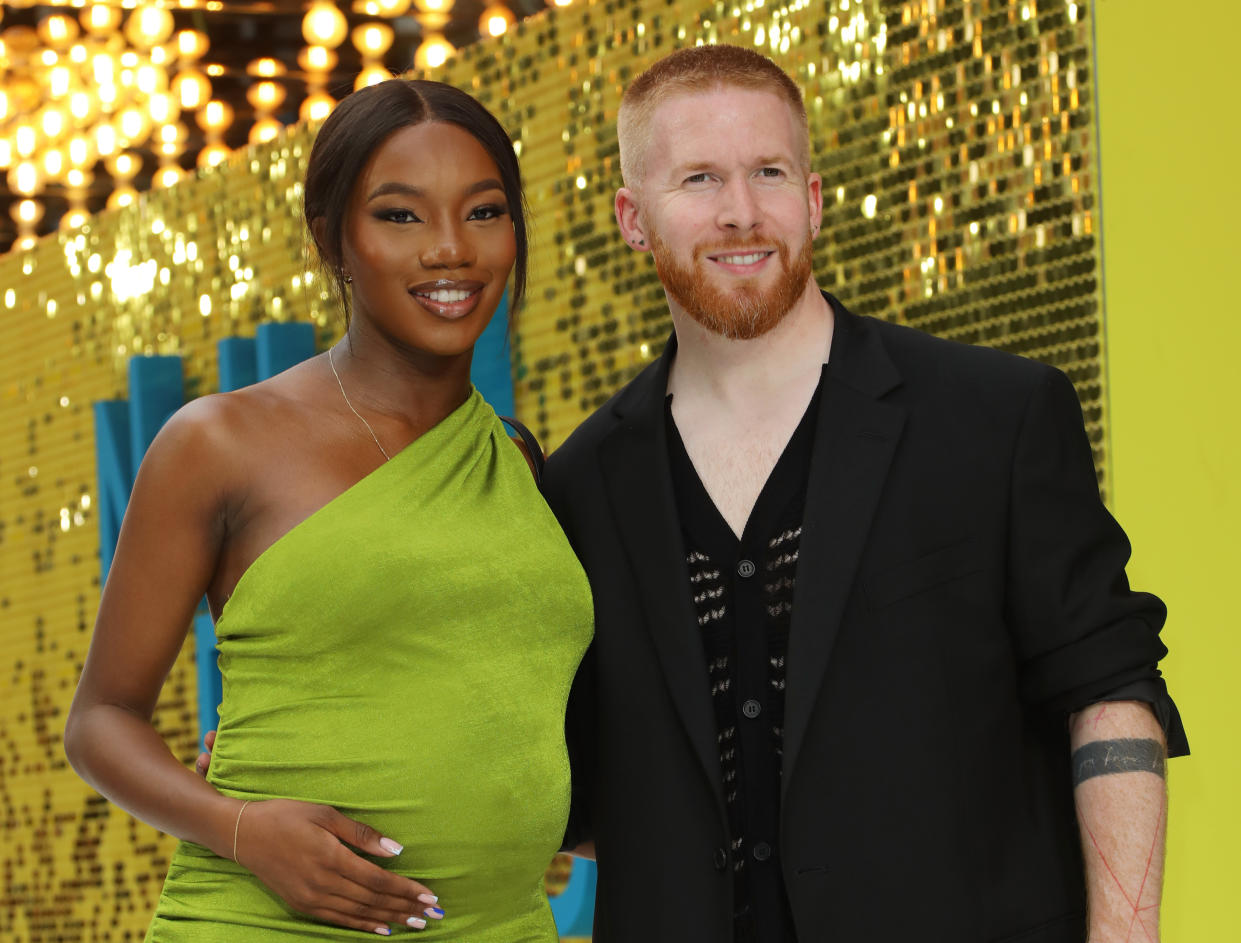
pixel 1098 717
pixel 1137 909
pixel 1150 855
pixel 1099 851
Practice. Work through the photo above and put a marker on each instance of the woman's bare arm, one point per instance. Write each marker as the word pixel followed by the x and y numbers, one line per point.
pixel 170 542
pixel 165 557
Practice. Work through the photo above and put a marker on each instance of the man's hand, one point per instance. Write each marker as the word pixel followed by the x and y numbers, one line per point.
pixel 203 763
pixel 295 849
pixel 1118 784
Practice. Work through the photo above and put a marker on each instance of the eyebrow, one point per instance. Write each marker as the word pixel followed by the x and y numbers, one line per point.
pixel 482 186
pixel 702 166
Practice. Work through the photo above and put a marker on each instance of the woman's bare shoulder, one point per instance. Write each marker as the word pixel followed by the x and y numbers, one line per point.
pixel 225 430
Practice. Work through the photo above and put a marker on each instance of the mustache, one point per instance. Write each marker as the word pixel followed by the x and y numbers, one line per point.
pixel 740 244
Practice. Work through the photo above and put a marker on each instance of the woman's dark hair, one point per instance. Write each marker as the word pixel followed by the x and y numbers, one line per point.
pixel 362 122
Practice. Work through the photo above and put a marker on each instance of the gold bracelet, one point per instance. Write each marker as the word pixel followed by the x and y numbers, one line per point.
pixel 237 828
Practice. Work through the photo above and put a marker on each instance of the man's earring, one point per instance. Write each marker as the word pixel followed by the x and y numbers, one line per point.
pixel 348 278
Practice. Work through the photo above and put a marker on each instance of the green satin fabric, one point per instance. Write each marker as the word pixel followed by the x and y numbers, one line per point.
pixel 405 655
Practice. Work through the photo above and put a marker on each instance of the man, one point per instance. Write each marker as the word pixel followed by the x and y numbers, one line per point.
pixel 865 653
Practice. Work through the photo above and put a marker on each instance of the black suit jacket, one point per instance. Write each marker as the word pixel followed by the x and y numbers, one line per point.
pixel 960 589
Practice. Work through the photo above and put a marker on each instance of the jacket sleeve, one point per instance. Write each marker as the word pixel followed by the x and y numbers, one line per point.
pixel 580 737
pixel 1081 634
pixel 580 724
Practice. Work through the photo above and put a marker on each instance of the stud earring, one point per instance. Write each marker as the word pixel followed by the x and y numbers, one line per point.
pixel 348 279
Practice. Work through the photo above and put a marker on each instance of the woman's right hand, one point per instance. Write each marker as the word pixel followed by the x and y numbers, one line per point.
pixel 356 888
pixel 297 849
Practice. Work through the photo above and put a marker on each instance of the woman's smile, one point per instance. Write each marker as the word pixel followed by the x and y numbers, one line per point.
pixel 448 298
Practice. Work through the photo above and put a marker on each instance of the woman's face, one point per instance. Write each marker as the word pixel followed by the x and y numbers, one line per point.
pixel 427 239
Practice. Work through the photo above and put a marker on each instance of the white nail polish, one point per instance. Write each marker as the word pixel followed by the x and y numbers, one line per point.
pixel 428 898
pixel 387 844
pixel 416 922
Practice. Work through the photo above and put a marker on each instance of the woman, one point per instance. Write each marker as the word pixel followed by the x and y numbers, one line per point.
pixel 399 617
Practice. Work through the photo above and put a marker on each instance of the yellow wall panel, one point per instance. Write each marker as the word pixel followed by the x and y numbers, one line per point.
pixel 1171 199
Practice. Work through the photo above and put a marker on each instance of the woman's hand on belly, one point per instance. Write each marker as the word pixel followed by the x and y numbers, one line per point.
pixel 295 849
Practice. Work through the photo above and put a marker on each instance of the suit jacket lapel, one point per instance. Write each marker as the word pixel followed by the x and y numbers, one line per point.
pixel 638 479
pixel 853 448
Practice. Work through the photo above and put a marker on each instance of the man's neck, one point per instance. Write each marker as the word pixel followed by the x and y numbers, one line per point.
pixel 742 374
pixel 737 403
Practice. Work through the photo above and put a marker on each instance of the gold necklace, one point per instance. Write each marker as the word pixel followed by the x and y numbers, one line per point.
pixel 332 364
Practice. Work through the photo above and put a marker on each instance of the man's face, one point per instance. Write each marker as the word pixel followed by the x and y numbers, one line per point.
pixel 727 209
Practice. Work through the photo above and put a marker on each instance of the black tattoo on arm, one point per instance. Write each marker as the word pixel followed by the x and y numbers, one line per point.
pixel 1104 757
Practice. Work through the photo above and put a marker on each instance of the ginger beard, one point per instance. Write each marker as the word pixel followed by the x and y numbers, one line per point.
pixel 746 311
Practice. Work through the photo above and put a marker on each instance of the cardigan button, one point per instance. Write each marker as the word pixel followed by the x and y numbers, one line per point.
pixel 721 859
pixel 762 851
pixel 746 569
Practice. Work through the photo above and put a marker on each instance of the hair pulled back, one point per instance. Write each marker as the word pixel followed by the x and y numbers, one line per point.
pixel 357 128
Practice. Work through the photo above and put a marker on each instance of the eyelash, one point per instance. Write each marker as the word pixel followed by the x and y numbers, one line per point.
pixel 479 213
pixel 398 216
pixel 769 172
pixel 493 211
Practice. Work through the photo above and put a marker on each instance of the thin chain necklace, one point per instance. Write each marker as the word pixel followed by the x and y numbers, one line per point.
pixel 332 363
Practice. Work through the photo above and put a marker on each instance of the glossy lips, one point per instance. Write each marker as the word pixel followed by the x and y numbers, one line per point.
pixel 448 298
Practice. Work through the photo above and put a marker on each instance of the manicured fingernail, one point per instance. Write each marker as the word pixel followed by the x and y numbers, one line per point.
pixel 428 898
pixel 383 931
pixel 434 913
pixel 416 922
pixel 387 844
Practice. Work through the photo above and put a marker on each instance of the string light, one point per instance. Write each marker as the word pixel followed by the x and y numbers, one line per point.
pixel 372 40
pixel 148 26
pixel 192 88
pixel 324 25
pixel 434 52
pixel 111 80
pixel 496 20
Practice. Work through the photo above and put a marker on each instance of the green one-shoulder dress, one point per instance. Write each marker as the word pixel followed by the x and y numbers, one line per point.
pixel 404 655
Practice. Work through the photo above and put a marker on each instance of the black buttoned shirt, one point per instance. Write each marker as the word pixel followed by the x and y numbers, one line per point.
pixel 743 596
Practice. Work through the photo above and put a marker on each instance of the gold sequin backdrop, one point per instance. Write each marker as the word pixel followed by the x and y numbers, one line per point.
pixel 957 145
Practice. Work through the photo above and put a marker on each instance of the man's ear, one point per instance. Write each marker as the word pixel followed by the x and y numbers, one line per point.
pixel 814 193
pixel 629 219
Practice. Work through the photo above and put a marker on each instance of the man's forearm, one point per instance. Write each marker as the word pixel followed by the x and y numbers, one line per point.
pixel 1118 764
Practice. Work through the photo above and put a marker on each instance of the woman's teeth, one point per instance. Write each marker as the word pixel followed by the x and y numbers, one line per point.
pixel 445 295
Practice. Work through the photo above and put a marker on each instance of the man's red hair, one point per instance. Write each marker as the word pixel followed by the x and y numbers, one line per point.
pixel 699 69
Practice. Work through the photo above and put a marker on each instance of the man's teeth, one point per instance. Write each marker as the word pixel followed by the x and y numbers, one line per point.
pixel 742 259
pixel 445 295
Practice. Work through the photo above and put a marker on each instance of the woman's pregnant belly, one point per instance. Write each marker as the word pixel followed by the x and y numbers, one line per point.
pixel 473 780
